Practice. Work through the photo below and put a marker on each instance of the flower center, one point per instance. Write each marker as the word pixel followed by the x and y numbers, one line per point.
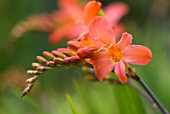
pixel 115 53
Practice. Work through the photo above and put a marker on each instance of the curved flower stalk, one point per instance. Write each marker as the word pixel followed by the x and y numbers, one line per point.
pixel 61 57
pixel 69 21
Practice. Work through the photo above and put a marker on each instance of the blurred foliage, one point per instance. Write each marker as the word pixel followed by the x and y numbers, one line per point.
pixel 148 22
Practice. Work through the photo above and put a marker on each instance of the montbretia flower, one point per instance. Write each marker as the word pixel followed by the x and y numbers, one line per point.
pixel 72 19
pixel 69 21
pixel 112 55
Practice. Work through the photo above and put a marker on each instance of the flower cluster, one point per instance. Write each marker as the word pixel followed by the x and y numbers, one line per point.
pixel 96 46
pixel 68 21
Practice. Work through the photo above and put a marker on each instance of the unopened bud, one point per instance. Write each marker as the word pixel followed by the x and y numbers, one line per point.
pixel 50 63
pixel 86 52
pixel 58 60
pixel 58 54
pixel 27 89
pixel 75 59
pixel 35 65
pixel 66 60
pixel 66 51
pixel 32 79
pixel 48 55
pixel 41 59
pixel 42 68
pixel 33 72
pixel 74 45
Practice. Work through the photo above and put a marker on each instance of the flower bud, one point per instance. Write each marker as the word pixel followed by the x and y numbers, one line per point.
pixel 66 51
pixel 50 63
pixel 75 59
pixel 58 54
pixel 42 68
pixel 32 79
pixel 27 89
pixel 58 60
pixel 33 72
pixel 74 45
pixel 86 52
pixel 48 55
pixel 66 60
pixel 35 65
pixel 41 59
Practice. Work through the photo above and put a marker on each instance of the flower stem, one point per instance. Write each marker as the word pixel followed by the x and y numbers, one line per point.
pixel 131 83
pixel 132 74
pixel 149 92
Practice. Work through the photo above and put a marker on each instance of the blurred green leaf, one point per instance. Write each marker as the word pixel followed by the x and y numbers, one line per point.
pixel 128 100
pixel 74 110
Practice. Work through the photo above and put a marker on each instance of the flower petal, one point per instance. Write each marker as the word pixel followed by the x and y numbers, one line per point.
pixel 120 71
pixel 102 65
pixel 137 54
pixel 72 8
pixel 64 4
pixel 101 32
pixel 66 31
pixel 90 11
pixel 114 12
pixel 125 41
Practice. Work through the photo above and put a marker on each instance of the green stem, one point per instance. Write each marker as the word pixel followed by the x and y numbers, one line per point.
pixel 149 92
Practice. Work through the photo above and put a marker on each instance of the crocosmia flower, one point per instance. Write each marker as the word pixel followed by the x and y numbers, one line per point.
pixel 112 54
pixel 72 19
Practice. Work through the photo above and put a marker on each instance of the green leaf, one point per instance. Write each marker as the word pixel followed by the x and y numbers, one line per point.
pixel 101 13
pixel 128 100
pixel 70 101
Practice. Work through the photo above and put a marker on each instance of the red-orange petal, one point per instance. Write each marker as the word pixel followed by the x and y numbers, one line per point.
pixel 63 4
pixel 114 12
pixel 90 11
pixel 137 54
pixel 101 32
pixel 120 71
pixel 102 65
pixel 125 41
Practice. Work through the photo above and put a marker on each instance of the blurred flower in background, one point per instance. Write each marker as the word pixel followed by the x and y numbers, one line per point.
pixel 67 21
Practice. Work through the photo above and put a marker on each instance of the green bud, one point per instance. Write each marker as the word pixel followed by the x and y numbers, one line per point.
pixel 41 59
pixel 32 79
pixel 35 65
pixel 58 54
pixel 58 61
pixel 33 72
pixel 48 55
pixel 42 68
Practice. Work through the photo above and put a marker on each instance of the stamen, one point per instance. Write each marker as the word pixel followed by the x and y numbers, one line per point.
pixel 115 52
pixel 110 45
pixel 100 49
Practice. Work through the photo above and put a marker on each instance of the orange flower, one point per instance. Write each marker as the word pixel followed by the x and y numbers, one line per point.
pixel 70 18
pixel 67 20
pixel 113 55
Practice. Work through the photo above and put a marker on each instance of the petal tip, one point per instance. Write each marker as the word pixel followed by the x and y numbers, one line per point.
pixel 123 79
